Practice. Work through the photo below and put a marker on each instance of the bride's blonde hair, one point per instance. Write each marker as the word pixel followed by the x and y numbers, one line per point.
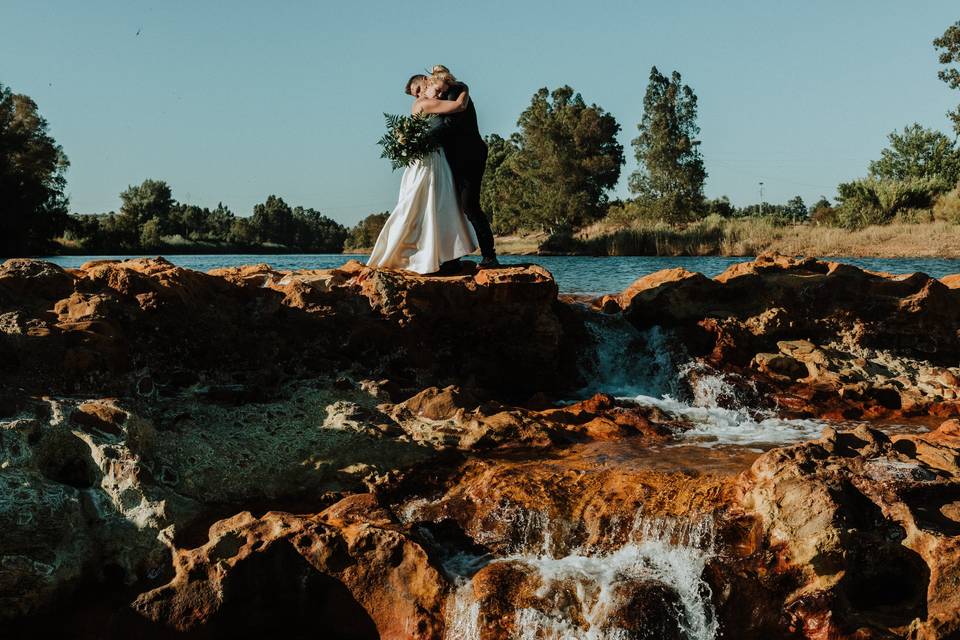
pixel 440 73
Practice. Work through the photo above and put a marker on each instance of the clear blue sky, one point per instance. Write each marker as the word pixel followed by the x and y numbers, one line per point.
pixel 233 101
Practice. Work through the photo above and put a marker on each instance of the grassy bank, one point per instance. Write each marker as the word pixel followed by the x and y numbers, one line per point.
pixel 710 237
pixel 751 236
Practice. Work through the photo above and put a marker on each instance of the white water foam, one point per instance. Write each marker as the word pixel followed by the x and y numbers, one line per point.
pixel 719 418
pixel 651 367
pixel 670 554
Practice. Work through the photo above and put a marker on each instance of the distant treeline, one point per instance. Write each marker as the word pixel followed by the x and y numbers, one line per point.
pixel 151 220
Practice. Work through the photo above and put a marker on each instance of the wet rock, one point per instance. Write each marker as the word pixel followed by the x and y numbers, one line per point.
pixel 882 345
pixel 780 366
pixel 566 501
pixel 913 314
pixel 451 417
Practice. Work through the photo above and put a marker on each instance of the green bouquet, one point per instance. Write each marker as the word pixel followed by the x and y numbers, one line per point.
pixel 408 139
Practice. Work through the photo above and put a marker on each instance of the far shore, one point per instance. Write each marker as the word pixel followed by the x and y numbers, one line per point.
pixel 730 238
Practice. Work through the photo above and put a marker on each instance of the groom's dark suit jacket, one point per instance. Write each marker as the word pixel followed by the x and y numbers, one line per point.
pixel 459 135
pixel 466 152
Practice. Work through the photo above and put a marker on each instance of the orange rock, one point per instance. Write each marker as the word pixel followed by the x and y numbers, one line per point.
pixel 952 281
pixel 303 574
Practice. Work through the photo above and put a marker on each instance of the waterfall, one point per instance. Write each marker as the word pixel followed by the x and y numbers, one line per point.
pixel 669 555
pixel 627 362
pixel 720 416
pixel 652 367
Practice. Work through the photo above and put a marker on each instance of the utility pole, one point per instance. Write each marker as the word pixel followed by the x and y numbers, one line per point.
pixel 761 198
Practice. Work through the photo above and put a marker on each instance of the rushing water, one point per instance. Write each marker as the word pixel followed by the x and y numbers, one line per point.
pixel 652 368
pixel 643 580
pixel 574 274
pixel 582 593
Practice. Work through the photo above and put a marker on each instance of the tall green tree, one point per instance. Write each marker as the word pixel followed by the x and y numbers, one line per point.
pixel 918 152
pixel 33 206
pixel 555 173
pixel 499 185
pixel 273 221
pixel 948 48
pixel 671 174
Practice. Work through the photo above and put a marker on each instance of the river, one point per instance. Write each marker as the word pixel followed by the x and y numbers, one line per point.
pixel 574 274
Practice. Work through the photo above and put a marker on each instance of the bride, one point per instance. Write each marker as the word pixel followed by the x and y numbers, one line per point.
pixel 427 228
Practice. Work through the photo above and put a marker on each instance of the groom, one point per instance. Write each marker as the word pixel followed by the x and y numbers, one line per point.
pixel 459 135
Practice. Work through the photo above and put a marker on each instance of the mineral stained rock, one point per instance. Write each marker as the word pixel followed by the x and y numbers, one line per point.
pixel 353 452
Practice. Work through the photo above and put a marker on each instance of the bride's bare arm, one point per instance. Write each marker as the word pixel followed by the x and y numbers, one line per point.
pixel 434 105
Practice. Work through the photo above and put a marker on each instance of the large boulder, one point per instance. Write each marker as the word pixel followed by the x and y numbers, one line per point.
pixel 824 338
pixel 125 326
pixel 867 528
pixel 781 298
pixel 346 569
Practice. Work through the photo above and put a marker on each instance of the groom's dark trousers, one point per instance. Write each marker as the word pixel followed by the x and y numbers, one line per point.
pixel 459 135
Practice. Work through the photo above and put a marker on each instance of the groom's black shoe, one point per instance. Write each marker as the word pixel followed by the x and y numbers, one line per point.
pixel 489 263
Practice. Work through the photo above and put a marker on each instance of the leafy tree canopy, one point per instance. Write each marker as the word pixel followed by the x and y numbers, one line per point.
pixel 918 152
pixel 33 206
pixel 671 173
pixel 556 171
pixel 948 48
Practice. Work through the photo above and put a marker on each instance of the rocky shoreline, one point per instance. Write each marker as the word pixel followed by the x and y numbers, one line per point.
pixel 381 455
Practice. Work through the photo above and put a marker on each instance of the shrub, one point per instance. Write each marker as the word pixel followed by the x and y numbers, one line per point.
pixel 947 206
pixel 871 201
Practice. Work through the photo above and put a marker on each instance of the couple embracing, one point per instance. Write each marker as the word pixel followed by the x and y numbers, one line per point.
pixel 438 218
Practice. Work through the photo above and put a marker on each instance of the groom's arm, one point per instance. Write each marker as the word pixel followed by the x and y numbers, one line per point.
pixel 444 126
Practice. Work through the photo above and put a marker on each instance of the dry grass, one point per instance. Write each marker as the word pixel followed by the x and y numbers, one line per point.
pixel 749 237
pixel 519 245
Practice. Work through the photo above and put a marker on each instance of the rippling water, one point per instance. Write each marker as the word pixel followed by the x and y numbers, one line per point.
pixel 574 274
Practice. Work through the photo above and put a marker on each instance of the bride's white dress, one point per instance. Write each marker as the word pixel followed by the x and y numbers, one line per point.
pixel 427 227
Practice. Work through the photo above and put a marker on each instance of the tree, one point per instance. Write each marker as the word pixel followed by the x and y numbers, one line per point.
pixel 273 221
pixel 796 209
pixel 871 201
pixel 918 152
pixel 150 236
pixel 315 232
pixel 219 222
pixel 671 173
pixel 822 213
pixel 554 173
pixel 948 46
pixel 242 233
pixel 822 203
pixel 364 234
pixel 150 199
pixel 499 182
pixel 719 206
pixel 33 206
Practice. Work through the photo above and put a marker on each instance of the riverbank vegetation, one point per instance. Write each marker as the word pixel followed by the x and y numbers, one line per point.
pixel 547 189
pixel 750 237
